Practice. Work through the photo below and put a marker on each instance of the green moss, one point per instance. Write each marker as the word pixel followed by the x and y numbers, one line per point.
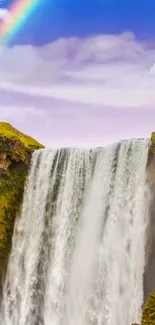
pixel 6 130
pixel 11 190
pixel 16 144
pixel 152 147
pixel 153 138
pixel 148 317
pixel 18 148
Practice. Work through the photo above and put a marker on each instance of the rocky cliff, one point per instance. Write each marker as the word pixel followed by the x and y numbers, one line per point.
pixel 148 316
pixel 149 278
pixel 15 155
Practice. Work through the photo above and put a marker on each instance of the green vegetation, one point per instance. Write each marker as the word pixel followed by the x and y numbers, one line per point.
pixel 15 154
pixel 152 148
pixel 153 137
pixel 148 317
pixel 11 191
pixel 16 144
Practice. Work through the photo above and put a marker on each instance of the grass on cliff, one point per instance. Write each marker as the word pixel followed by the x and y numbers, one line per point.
pixel 9 132
pixel 11 190
pixel 153 138
pixel 18 148
pixel 148 317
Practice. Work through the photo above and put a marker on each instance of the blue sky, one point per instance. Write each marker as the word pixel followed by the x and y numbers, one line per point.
pixel 58 18
pixel 90 81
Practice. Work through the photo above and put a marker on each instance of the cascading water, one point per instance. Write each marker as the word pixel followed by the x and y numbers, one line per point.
pixel 78 251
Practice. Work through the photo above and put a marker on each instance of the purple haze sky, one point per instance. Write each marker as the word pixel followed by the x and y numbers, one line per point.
pixel 80 91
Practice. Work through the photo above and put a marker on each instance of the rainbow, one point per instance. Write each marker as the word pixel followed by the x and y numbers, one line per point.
pixel 19 13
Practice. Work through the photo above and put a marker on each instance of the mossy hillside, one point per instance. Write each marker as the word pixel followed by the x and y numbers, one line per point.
pixel 152 146
pixel 11 192
pixel 16 144
pixel 148 317
pixel 153 138
pixel 151 161
pixel 18 148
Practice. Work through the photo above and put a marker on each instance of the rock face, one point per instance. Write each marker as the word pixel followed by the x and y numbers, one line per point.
pixel 15 155
pixel 149 278
pixel 148 317
pixel 5 161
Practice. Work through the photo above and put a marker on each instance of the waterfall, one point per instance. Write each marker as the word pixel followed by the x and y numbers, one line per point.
pixel 78 249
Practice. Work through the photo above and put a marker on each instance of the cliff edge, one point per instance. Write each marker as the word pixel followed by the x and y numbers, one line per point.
pixel 15 155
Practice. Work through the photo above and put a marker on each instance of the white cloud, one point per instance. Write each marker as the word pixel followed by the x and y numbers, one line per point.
pixel 20 114
pixel 4 14
pixel 103 70
pixel 83 79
